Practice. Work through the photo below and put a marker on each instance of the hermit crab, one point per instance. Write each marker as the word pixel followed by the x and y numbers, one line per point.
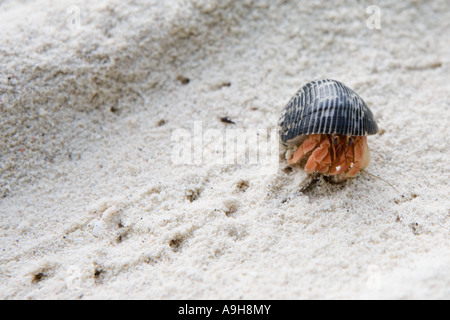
pixel 325 125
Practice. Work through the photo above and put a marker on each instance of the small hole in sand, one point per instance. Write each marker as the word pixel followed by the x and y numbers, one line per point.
pixel 99 275
pixel 38 277
pixel 193 194
pixel 176 243
pixel 414 228
pixel 231 207
pixel 243 185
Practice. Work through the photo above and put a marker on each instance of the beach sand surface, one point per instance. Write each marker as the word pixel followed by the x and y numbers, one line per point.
pixel 100 198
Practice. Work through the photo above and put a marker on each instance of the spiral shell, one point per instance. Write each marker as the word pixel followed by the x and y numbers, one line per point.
pixel 326 107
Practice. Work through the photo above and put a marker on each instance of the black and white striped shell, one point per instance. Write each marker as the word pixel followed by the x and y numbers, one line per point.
pixel 325 107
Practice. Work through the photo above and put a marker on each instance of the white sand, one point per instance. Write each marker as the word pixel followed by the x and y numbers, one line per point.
pixel 91 205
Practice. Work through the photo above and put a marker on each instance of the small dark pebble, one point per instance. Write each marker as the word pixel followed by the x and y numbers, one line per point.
pixel 287 169
pixel 227 120
pixel 183 79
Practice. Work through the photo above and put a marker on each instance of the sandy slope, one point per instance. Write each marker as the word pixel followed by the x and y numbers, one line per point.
pixel 93 206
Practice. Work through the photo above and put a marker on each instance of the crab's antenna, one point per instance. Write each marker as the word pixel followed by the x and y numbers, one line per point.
pixel 372 175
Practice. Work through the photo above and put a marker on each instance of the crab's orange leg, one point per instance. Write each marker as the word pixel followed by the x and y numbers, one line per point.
pixel 307 145
pixel 339 164
pixel 325 164
pixel 320 157
pixel 361 157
